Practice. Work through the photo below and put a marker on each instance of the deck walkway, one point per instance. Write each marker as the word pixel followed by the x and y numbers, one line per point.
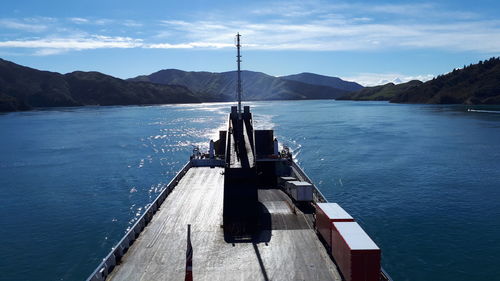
pixel 291 251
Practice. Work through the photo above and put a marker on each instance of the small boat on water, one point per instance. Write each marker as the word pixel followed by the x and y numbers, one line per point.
pixel 243 211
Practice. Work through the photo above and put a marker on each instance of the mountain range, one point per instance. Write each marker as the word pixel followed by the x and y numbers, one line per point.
pixel 24 88
pixel 255 85
pixel 316 79
pixel 474 84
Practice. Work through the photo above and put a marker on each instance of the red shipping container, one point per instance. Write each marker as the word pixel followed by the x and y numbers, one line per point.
pixel 326 213
pixel 357 256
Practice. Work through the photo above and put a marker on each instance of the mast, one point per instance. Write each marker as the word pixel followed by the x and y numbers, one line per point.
pixel 238 60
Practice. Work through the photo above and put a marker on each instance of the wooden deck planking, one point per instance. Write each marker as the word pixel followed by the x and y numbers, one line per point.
pixel 293 252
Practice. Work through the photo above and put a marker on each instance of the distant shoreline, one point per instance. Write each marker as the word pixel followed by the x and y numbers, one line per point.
pixel 479 108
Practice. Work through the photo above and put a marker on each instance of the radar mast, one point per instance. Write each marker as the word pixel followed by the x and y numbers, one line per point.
pixel 238 60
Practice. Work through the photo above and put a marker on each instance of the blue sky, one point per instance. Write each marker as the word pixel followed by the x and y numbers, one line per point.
pixel 369 42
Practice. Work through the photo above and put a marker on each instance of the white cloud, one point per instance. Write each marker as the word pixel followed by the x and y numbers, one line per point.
pixel 362 19
pixel 397 9
pixel 19 25
pixel 331 32
pixel 296 25
pixel 169 46
pixel 55 45
pixel 426 11
pixel 373 79
pixel 104 22
pixel 79 20
pixel 49 52
pixel 52 46
pixel 188 45
pixel 289 9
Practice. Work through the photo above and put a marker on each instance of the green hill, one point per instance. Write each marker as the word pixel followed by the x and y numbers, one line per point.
pixel 473 84
pixel 382 92
pixel 23 88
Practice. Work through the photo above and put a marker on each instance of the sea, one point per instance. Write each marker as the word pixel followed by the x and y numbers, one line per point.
pixel 422 180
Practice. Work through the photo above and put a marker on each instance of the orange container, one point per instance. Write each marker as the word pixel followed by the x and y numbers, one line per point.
pixel 357 256
pixel 326 214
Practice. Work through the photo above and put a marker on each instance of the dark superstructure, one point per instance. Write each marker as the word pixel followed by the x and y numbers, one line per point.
pixel 240 177
pixel 253 214
pixel 240 213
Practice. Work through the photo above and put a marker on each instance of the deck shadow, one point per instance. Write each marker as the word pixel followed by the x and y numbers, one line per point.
pixel 255 232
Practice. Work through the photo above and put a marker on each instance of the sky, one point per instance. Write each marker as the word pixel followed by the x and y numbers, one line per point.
pixel 370 42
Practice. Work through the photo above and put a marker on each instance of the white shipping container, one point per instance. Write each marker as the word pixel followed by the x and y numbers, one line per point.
pixel 300 190
pixel 283 180
pixel 334 212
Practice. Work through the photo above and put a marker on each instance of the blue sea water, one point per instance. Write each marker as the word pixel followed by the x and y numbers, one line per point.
pixel 422 180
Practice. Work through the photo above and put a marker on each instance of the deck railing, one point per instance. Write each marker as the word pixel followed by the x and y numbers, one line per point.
pixel 318 197
pixel 111 260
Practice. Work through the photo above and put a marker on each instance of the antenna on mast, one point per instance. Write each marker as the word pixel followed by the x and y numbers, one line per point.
pixel 238 60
